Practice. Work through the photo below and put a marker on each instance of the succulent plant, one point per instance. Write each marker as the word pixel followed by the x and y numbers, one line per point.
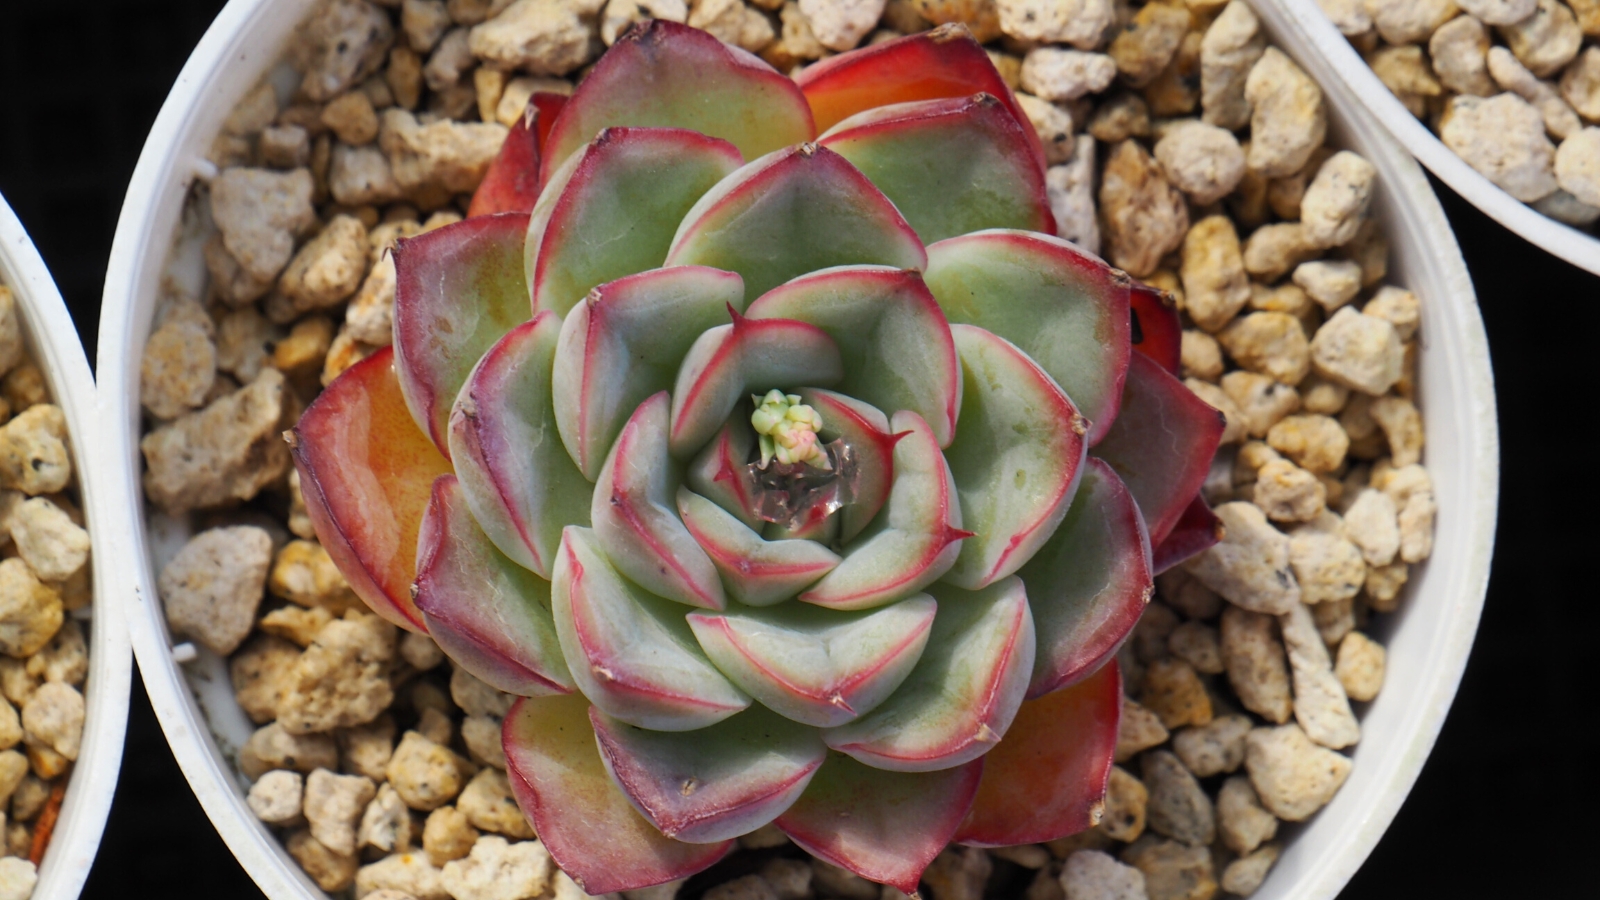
pixel 819 489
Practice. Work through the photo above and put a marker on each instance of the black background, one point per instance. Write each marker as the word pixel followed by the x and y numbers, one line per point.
pixel 1504 803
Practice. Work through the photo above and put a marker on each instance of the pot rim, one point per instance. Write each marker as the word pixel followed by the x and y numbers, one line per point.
pixel 1559 239
pixel 172 160
pixel 53 339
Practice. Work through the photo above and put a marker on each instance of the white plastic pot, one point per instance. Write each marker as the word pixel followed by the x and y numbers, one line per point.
pixel 1428 640
pixel 1578 247
pixel 52 341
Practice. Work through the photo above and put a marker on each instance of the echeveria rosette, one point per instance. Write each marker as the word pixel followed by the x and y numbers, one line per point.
pixel 548 472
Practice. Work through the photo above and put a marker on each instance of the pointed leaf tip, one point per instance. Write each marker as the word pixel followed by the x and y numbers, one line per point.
pixel 1158 332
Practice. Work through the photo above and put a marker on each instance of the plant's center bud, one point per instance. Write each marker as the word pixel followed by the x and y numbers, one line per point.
pixel 788 430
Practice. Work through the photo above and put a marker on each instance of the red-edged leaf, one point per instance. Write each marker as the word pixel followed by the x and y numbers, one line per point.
pixel 548 106
pixel 884 826
pixel 1090 582
pixel 458 290
pixel 755 571
pixel 866 430
pixel 1047 779
pixel 512 182
pixel 791 212
pixel 367 474
pixel 944 62
pixel 1159 334
pixel 583 819
pixel 490 615
pixel 1066 309
pixel 1161 444
pixel 715 783
pixel 951 166
pixel 661 74
pixel 611 211
pixel 1197 529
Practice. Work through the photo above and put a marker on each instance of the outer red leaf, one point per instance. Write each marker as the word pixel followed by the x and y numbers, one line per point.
pixel 549 107
pixel 367 474
pixel 944 62
pixel 661 74
pixel 1047 779
pixel 1161 444
pixel 458 290
pixel 1160 334
pixel 512 182
pixel 585 821
pixel 884 826
pixel 1196 530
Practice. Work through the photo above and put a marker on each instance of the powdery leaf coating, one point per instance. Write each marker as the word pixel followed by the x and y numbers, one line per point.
pixel 1093 875
pixel 1293 776
pixel 1145 216
pixel 1058 75
pixel 342 678
pixel 1288 119
pixel 1250 565
pixel 1502 137
pixel 211 589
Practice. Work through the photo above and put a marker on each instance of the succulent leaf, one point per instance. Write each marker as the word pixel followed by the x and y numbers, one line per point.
pixel 623 343
pixel 631 652
pixel 518 480
pixel 634 519
pixel 458 289
pixel 1016 461
pixel 790 212
pixel 487 613
pixel 367 474
pixel 960 698
pixel 1064 308
pixel 1088 585
pixel 816 666
pixel 893 341
pixel 755 572
pixel 613 208
pixel 1161 444
pixel 712 784
pixel 715 472
pixel 866 430
pixel 1048 778
pixel 1197 529
pixel 728 363
pixel 915 539
pixel 816 525
pixel 951 166
pixel 581 816
pixel 884 826
pixel 944 62
pixel 1160 333
pixel 664 75
pixel 511 183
